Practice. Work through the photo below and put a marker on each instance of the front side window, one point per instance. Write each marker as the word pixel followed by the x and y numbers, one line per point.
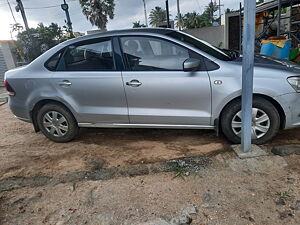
pixel 153 54
pixel 202 45
pixel 89 57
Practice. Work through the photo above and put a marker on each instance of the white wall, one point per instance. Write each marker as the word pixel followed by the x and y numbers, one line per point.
pixel 6 59
pixel 213 35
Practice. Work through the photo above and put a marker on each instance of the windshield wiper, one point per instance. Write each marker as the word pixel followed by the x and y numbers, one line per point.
pixel 232 54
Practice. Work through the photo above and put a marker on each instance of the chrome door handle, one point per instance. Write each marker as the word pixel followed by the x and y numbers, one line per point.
pixel 65 83
pixel 134 83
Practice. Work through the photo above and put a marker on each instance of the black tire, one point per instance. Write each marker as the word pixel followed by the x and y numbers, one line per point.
pixel 71 123
pixel 260 103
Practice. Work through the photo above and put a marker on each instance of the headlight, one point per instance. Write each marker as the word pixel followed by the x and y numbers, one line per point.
pixel 295 82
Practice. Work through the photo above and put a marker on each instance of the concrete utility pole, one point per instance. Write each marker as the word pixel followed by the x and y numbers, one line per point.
pixel 248 66
pixel 241 27
pixel 212 12
pixel 145 11
pixel 279 18
pixel 65 7
pixel 179 15
pixel 20 8
pixel 220 10
pixel 12 14
pixel 168 14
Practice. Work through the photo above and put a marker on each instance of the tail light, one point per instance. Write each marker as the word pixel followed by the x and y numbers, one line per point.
pixel 9 89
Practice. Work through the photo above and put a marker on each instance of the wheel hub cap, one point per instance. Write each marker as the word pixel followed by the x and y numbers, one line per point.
pixel 55 123
pixel 260 123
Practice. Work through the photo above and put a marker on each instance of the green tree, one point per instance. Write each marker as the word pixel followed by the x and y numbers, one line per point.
pixel 157 16
pixel 33 42
pixel 138 24
pixel 179 23
pixel 194 20
pixel 98 11
pixel 191 20
pixel 228 10
pixel 208 14
pixel 259 2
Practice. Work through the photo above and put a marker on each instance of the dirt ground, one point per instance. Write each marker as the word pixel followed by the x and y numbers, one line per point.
pixel 227 191
pixel 230 191
pixel 26 153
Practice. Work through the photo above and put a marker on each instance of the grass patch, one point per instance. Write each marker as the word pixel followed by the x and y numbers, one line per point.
pixel 283 195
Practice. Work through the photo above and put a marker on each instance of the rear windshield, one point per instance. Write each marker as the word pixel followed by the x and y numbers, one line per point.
pixel 202 45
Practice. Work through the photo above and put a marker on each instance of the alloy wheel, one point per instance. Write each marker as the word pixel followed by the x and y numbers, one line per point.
pixel 55 123
pixel 260 123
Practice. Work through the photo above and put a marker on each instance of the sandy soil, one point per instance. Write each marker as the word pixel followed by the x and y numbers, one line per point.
pixel 228 191
pixel 264 192
pixel 26 153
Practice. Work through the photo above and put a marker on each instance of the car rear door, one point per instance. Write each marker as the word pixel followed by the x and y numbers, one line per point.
pixel 87 79
pixel 158 90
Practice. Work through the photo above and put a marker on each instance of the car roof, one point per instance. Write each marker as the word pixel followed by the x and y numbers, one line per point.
pixel 161 31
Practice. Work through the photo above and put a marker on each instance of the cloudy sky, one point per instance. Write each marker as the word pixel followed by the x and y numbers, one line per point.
pixel 126 12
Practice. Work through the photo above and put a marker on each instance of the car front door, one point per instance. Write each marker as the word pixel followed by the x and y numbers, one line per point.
pixel 158 91
pixel 86 78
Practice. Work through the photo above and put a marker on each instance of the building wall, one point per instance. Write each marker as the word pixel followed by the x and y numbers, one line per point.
pixel 213 35
pixel 3 67
pixel 7 61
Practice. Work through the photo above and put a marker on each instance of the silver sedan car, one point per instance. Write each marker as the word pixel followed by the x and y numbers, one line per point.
pixel 150 78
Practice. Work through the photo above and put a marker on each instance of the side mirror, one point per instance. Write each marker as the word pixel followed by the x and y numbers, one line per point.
pixel 191 64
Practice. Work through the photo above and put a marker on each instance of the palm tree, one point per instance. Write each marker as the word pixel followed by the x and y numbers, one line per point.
pixel 138 24
pixel 208 13
pixel 191 20
pixel 194 20
pixel 157 16
pixel 98 11
pixel 179 21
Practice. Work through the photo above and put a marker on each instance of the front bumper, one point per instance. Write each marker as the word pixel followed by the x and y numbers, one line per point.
pixel 291 106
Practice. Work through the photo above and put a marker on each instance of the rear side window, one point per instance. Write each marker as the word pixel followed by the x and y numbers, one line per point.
pixel 97 56
pixel 52 63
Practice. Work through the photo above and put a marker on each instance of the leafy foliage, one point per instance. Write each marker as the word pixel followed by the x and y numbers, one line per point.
pixel 33 42
pixel 98 11
pixel 208 14
pixel 138 24
pixel 283 195
pixel 193 20
pixel 259 2
pixel 157 16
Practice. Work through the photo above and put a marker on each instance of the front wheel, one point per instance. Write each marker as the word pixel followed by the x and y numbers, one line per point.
pixel 265 121
pixel 57 123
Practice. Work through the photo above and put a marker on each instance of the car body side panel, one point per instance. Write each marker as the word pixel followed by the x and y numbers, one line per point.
pixel 269 82
pixel 97 97
pixel 170 97
pixel 29 85
pixel 291 104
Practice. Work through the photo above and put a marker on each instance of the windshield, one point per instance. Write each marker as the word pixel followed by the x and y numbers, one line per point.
pixel 202 45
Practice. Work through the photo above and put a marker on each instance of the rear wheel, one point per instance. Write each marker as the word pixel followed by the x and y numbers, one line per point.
pixel 265 121
pixel 57 123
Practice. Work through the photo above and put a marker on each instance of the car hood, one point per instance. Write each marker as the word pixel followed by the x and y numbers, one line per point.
pixel 272 63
